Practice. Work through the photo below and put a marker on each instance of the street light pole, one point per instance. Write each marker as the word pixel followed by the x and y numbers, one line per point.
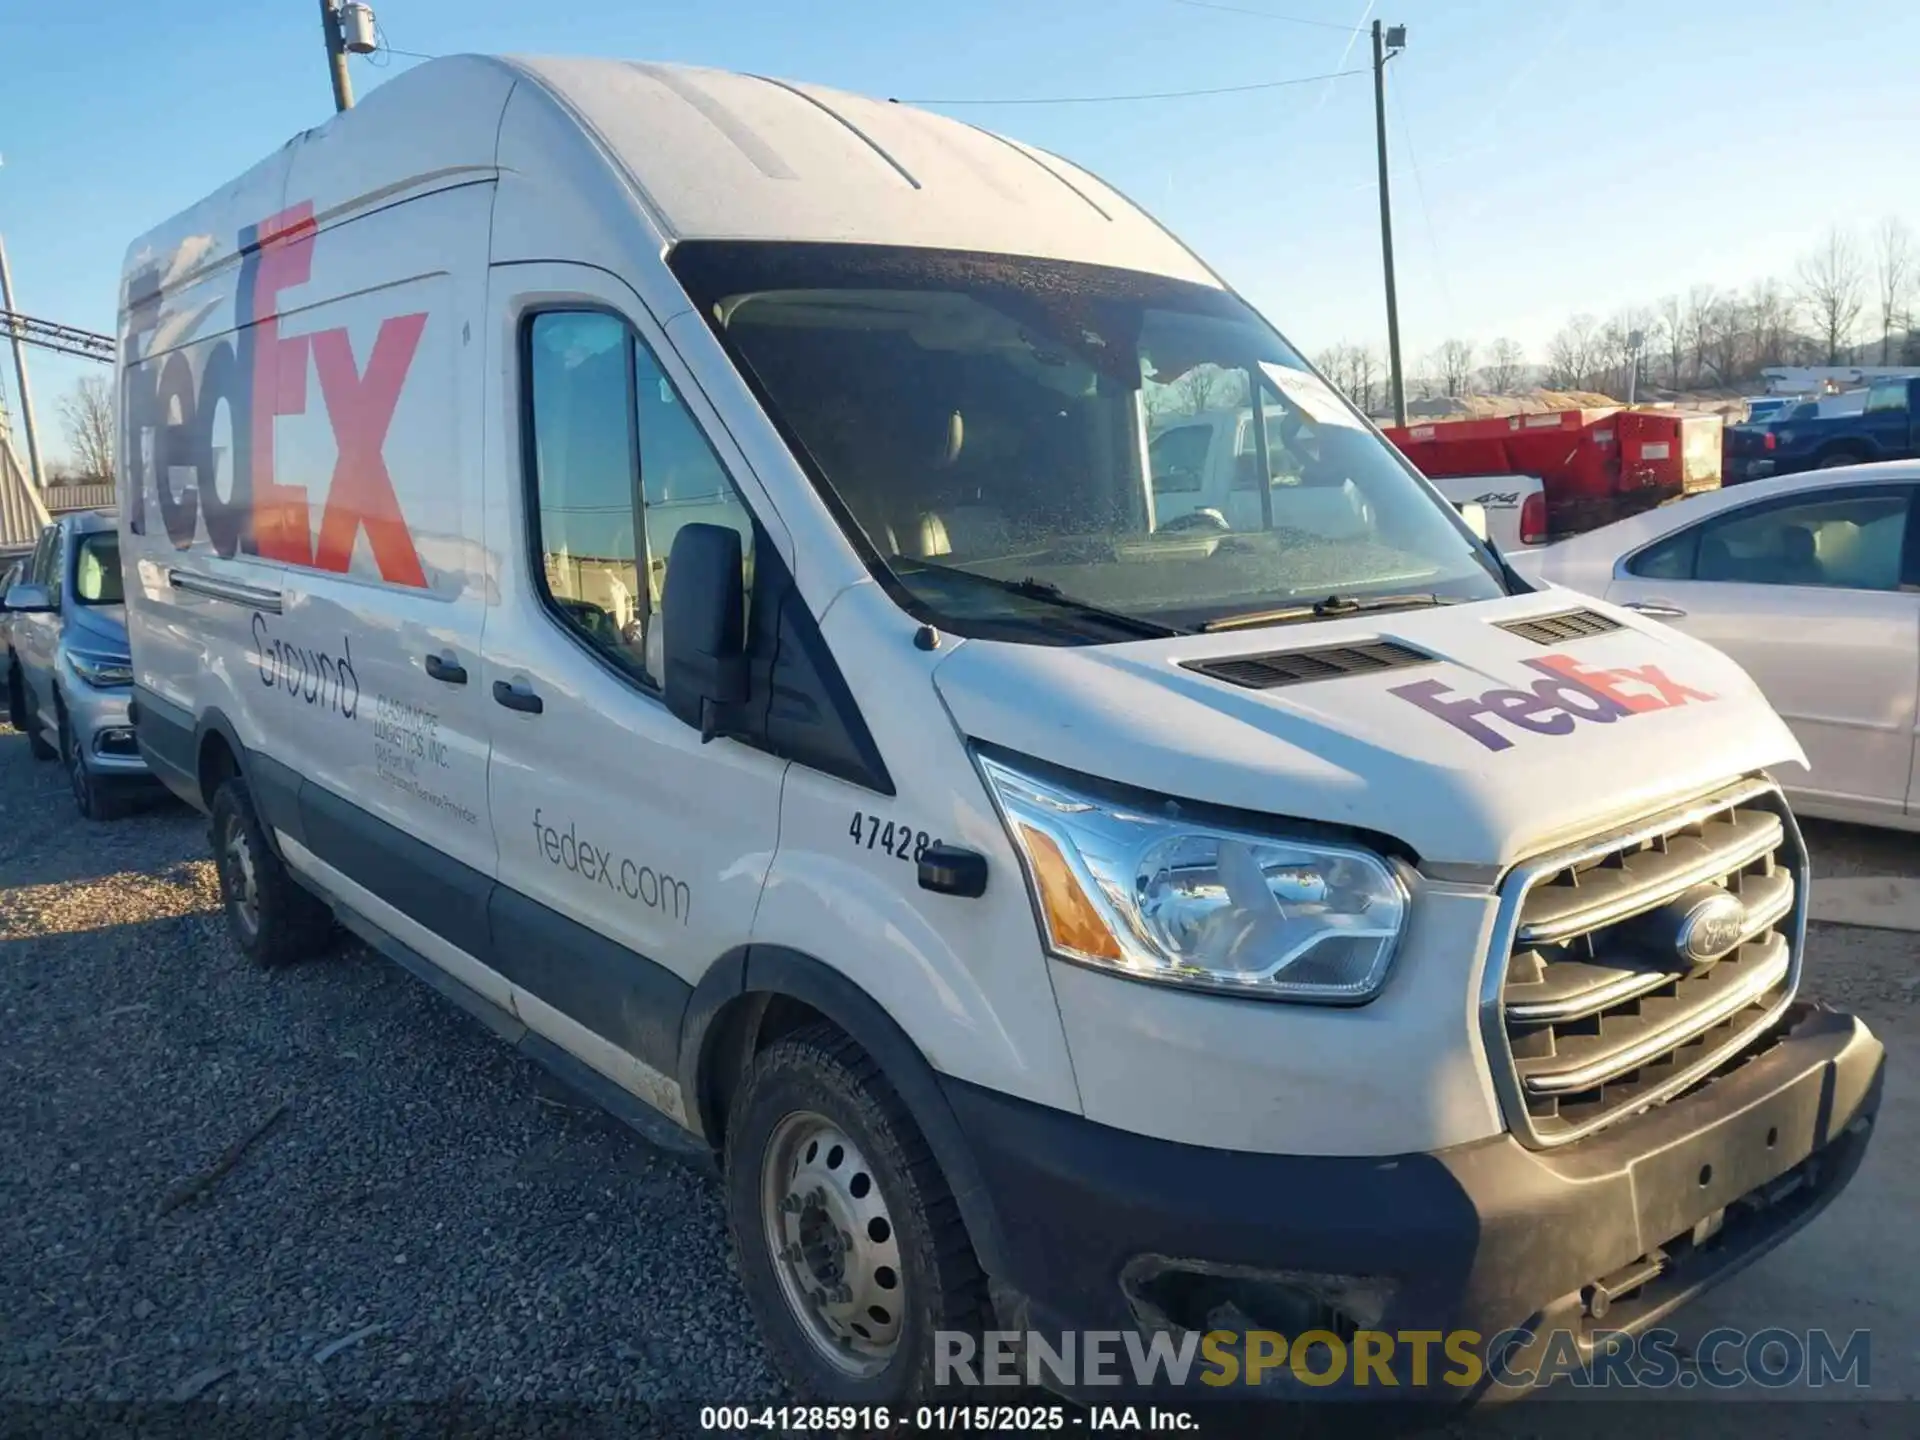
pixel 1388 42
pixel 336 55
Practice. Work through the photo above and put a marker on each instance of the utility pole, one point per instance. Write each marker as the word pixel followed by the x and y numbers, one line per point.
pixel 20 375
pixel 1386 43
pixel 336 55
pixel 350 30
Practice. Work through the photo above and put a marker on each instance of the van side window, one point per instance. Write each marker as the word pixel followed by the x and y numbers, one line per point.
pixel 682 481
pixel 618 467
pixel 584 463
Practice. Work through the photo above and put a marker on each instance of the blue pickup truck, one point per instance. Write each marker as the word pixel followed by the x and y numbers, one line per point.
pixel 1888 428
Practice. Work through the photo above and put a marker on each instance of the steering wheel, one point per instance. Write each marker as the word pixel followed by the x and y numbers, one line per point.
pixel 1205 518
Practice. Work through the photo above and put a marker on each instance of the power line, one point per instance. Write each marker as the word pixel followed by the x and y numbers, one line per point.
pixel 1269 15
pixel 1426 213
pixel 1119 99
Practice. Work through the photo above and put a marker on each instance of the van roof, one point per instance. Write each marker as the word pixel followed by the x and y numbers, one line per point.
pixel 705 154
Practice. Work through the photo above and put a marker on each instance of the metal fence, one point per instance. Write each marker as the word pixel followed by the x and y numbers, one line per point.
pixel 65 498
pixel 23 514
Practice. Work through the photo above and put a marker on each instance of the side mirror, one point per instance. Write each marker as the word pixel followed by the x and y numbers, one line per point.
pixel 25 599
pixel 1475 514
pixel 703 644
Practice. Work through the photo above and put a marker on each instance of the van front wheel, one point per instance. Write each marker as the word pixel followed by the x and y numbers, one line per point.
pixel 850 1243
pixel 272 919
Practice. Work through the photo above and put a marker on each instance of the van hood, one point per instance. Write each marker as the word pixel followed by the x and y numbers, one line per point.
pixel 1498 747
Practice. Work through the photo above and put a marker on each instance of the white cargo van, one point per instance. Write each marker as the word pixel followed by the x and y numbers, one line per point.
pixel 671 556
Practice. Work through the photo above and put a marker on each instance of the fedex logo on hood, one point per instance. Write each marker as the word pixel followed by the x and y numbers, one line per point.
pixel 1552 706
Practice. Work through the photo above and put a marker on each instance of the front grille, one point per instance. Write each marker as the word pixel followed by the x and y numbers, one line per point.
pixel 1294 667
pixel 1596 1013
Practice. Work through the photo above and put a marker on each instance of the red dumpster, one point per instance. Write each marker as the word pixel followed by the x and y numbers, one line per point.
pixel 1597 465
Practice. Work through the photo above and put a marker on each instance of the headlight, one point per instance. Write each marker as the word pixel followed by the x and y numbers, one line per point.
pixel 1158 897
pixel 102 670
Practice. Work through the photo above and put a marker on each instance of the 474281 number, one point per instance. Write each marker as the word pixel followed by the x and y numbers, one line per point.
pixel 902 842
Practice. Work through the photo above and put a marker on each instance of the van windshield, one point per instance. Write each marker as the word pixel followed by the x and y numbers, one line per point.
pixel 1064 453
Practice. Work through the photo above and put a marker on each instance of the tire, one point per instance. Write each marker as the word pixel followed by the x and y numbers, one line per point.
pixel 1834 459
pixel 272 918
pixel 37 744
pixel 20 715
pixel 93 799
pixel 16 696
pixel 912 1272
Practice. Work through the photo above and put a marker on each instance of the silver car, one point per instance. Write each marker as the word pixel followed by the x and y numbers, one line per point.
pixel 69 676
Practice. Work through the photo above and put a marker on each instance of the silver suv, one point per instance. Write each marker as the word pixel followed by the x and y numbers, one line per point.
pixel 69 675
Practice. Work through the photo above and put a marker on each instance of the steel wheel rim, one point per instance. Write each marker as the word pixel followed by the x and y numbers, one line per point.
pixel 243 881
pixel 833 1244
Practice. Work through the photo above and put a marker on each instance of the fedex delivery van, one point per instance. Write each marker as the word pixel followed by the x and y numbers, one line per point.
pixel 674 557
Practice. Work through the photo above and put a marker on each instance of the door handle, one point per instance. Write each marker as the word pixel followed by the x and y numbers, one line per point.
pixel 446 667
pixel 1656 609
pixel 517 696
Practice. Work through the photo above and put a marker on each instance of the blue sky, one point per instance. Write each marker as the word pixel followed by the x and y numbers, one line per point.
pixel 1551 156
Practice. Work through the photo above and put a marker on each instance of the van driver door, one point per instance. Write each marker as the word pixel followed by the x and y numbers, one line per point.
pixel 631 855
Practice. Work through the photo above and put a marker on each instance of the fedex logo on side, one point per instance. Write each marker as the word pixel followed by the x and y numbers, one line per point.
pixel 257 374
pixel 1569 693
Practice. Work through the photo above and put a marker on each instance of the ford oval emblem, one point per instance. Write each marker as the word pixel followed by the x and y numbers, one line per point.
pixel 1711 928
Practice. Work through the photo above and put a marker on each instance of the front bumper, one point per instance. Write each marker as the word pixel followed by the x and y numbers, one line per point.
pixel 100 716
pixel 1489 1237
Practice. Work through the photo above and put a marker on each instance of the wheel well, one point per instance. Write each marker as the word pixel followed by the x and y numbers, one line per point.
pixel 217 765
pixel 765 992
pixel 746 1025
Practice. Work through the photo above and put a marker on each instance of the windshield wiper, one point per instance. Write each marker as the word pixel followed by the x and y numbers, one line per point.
pixel 1052 594
pixel 1330 608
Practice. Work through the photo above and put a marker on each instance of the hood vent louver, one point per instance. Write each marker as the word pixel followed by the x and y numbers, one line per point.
pixel 1296 667
pixel 1560 628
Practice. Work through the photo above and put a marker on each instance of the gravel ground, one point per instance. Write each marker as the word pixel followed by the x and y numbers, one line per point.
pixel 508 1243
pixel 1873 972
pixel 429 1216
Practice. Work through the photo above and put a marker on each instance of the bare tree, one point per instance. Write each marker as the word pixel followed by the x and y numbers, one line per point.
pixel 1197 388
pixel 1506 362
pixel 1336 363
pixel 1726 337
pixel 1769 317
pixel 1572 353
pixel 1365 376
pixel 1893 279
pixel 1831 279
pixel 1702 303
pixel 1618 347
pixel 86 415
pixel 1452 366
pixel 1673 329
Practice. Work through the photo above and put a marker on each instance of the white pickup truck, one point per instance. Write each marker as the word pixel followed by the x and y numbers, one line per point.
pixel 1205 469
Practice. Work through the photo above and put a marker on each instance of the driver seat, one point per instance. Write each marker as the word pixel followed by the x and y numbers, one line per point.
pixel 927 532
